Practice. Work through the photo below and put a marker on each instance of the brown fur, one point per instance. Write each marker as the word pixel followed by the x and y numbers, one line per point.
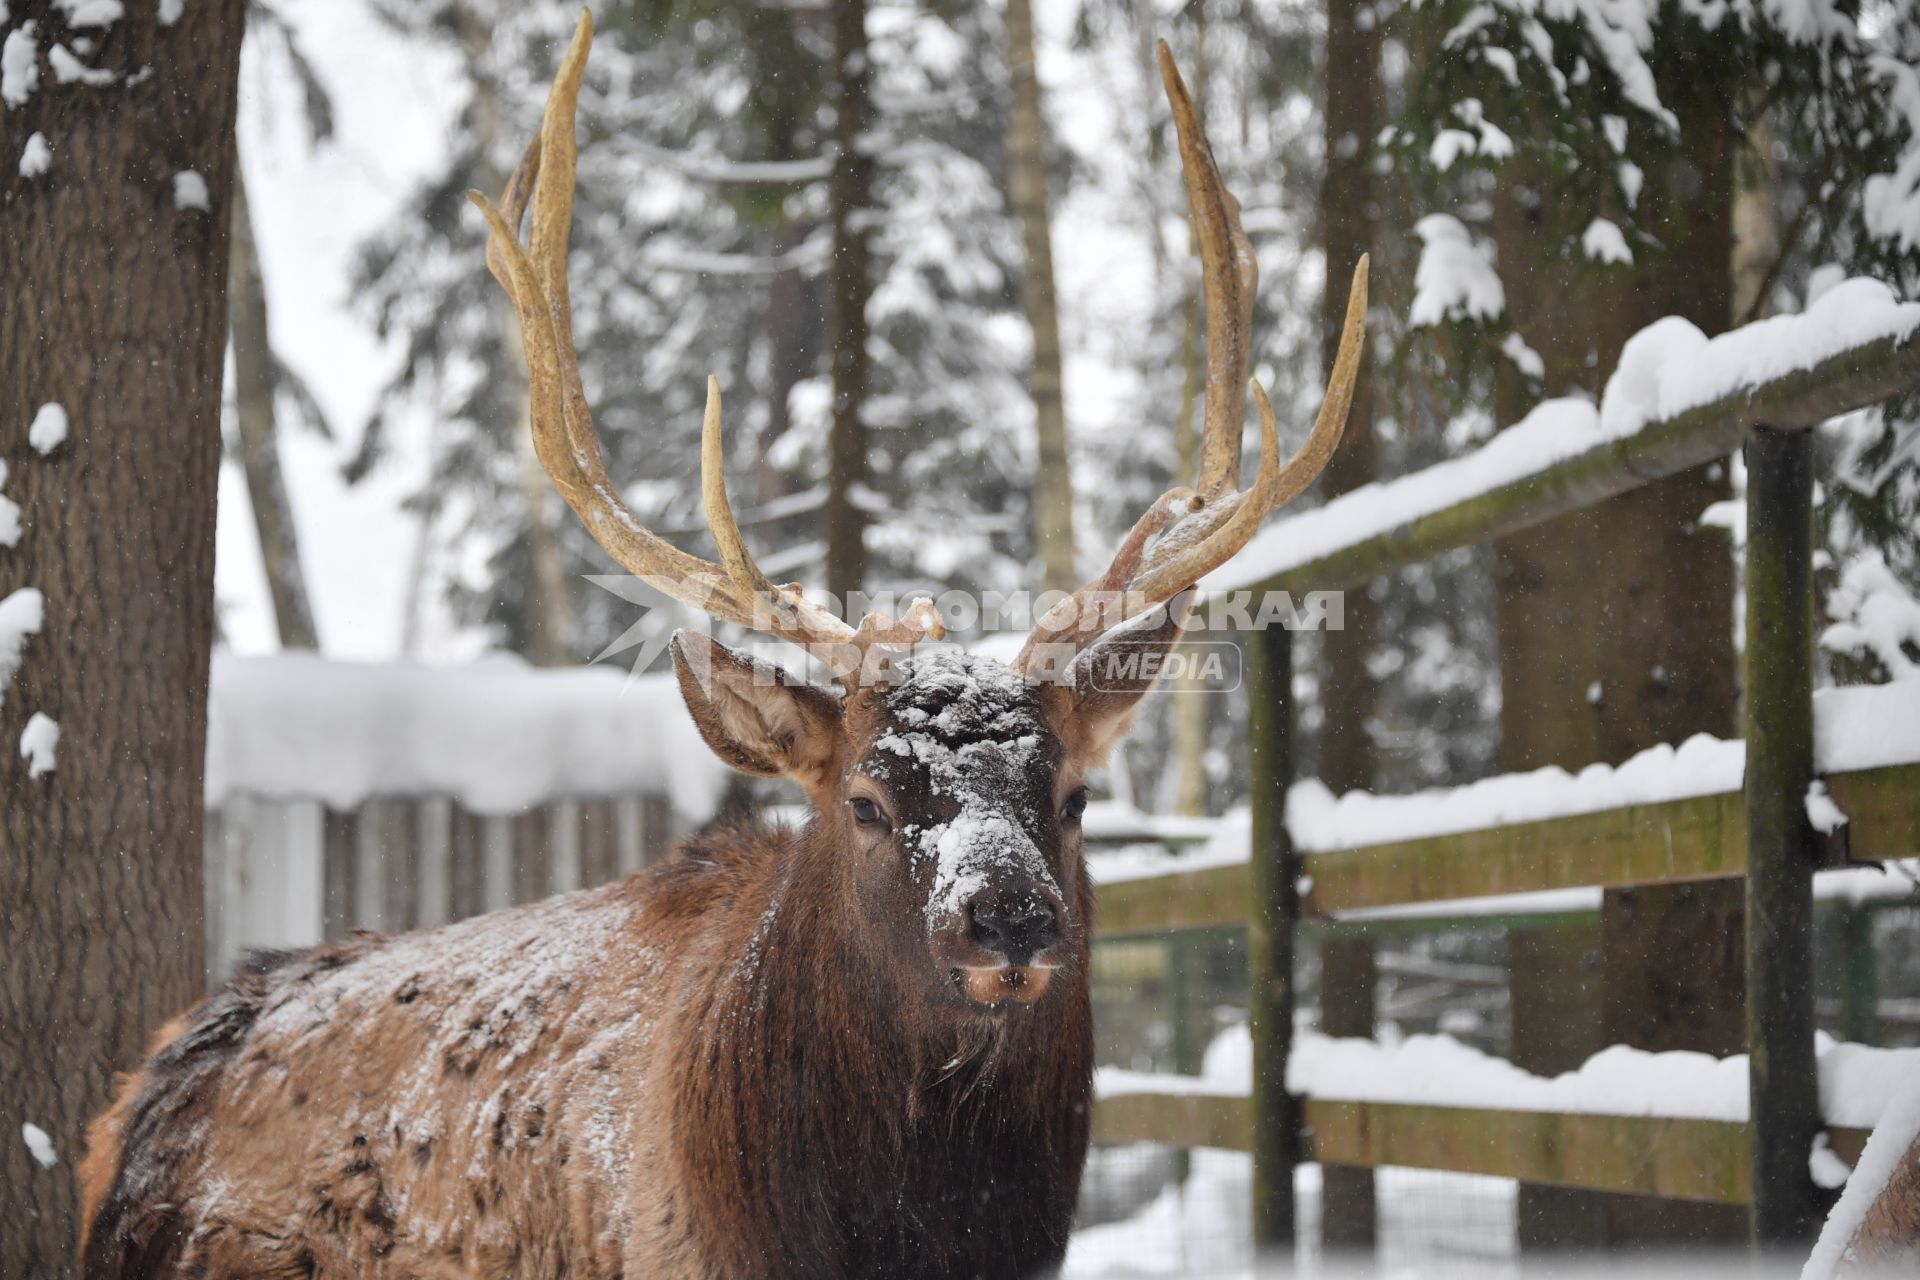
pixel 1888 1239
pixel 102 1161
pixel 757 1059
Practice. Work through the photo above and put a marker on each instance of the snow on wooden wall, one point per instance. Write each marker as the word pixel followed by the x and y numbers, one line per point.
pixel 395 796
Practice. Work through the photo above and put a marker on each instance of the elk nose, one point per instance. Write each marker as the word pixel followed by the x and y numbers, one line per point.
pixel 1017 925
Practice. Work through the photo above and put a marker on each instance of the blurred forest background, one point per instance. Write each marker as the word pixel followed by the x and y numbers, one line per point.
pixel 938 255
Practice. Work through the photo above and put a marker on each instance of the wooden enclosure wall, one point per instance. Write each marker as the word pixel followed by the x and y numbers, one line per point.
pixel 290 872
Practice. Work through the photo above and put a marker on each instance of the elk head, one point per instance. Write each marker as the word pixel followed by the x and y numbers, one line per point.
pixel 949 786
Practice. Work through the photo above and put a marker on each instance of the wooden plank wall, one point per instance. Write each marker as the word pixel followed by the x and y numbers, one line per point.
pixel 290 873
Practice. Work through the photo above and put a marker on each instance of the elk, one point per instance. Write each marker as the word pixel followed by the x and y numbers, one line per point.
pixel 859 1048
pixel 1880 1237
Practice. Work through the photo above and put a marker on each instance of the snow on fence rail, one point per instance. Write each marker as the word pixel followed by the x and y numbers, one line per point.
pixel 1668 814
pixel 1677 400
pixel 343 795
pixel 1668 1124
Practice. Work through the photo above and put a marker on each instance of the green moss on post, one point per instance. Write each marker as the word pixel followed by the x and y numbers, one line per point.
pixel 1783 1077
pixel 1272 914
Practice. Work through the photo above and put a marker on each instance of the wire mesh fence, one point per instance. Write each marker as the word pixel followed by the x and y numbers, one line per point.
pixel 1150 1210
pixel 1173 1004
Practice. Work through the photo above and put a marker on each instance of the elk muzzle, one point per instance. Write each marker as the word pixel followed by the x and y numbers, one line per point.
pixel 1014 924
pixel 1014 930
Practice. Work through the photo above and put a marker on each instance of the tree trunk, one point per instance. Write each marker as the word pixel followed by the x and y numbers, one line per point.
pixel 115 308
pixel 1615 633
pixel 255 382
pixel 850 198
pixel 1027 184
pixel 548 605
pixel 1348 694
pixel 796 318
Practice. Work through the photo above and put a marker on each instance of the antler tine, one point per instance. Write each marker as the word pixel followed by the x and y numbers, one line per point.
pixel 534 277
pixel 1176 565
pixel 1087 612
pixel 513 211
pixel 713 493
pixel 1224 521
pixel 1230 276
pixel 565 442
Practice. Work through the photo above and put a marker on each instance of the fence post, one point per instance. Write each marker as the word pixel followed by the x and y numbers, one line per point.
pixel 1271 916
pixel 1783 1084
pixel 1349 1205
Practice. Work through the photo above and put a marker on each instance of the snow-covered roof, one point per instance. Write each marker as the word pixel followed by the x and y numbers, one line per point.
pixel 497 735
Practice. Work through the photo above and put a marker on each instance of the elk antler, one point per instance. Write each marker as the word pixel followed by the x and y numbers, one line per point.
pixel 1188 533
pixel 535 279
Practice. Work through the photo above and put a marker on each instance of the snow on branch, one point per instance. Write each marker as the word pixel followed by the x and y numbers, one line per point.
pixel 19 65
pixel 39 742
pixel 810 256
pixel 49 428
pixel 1603 241
pixel 1455 279
pixel 1890 202
pixel 1875 615
pixel 22 614
pixel 39 1145
pixel 37 157
pixel 713 168
pixel 9 514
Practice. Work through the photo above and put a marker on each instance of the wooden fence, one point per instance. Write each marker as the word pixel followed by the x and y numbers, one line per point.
pixel 1672 1157
pixel 1760 834
pixel 283 872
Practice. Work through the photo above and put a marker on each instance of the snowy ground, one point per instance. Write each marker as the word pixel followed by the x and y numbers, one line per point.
pixel 1431 1224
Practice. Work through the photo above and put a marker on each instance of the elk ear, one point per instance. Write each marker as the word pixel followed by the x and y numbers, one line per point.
pixel 1109 679
pixel 756 717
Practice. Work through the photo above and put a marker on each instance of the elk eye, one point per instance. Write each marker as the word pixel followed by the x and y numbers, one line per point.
pixel 1076 806
pixel 867 813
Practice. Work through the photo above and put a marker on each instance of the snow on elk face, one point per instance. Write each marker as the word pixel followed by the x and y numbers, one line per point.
pixel 964 815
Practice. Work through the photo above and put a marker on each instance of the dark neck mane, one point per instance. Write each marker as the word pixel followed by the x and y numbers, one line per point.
pixel 823 1107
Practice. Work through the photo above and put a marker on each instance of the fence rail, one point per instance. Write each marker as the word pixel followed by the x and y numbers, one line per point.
pixel 1855 379
pixel 1672 1157
pixel 1760 834
pixel 1700 838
